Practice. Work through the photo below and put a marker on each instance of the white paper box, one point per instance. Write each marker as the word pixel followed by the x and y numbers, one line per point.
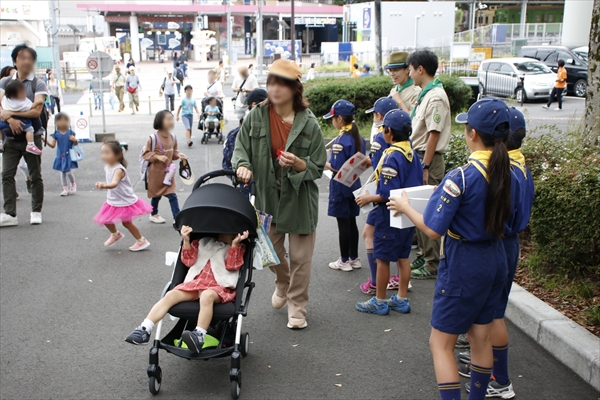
pixel 418 196
pixel 372 189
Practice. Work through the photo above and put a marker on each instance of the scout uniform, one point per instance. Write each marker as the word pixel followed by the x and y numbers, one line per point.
pixel 341 198
pixel 523 178
pixel 398 168
pixel 382 106
pixel 408 91
pixel 473 268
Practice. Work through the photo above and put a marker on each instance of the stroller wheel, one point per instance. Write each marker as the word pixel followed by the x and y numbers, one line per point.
pixel 235 389
pixel 244 343
pixel 153 385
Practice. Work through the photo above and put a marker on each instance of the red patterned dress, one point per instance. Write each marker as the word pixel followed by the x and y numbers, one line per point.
pixel 205 279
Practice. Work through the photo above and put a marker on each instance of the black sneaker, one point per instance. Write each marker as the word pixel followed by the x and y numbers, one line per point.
pixel 500 391
pixel 194 340
pixel 465 357
pixel 462 342
pixel 464 370
pixel 139 336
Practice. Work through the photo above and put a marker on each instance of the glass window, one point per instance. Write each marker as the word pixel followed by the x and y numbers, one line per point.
pixel 162 40
pixel 494 66
pixel 531 68
pixel 507 68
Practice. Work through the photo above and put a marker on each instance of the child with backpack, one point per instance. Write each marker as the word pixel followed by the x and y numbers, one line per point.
pixel 159 153
pixel 178 72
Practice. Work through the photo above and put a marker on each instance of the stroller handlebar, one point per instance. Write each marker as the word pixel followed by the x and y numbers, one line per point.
pixel 224 172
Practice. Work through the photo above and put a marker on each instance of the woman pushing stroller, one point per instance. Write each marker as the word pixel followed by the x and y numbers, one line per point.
pixel 212 278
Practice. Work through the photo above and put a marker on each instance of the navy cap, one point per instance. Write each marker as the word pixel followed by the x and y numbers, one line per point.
pixel 341 108
pixel 256 96
pixel 485 116
pixel 367 67
pixel 396 119
pixel 383 105
pixel 517 119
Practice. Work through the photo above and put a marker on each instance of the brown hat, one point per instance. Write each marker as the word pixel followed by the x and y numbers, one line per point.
pixel 397 60
pixel 286 69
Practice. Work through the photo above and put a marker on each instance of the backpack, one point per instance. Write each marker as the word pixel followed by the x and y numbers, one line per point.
pixel 144 163
pixel 228 148
pixel 44 115
pixel 179 74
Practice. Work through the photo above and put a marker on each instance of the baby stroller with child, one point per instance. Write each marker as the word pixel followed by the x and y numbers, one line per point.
pixel 210 210
pixel 211 127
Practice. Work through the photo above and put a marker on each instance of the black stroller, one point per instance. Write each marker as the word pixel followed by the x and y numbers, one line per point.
pixel 210 210
pixel 210 128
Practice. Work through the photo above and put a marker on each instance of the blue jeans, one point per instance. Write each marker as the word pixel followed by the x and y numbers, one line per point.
pixel 173 202
pixel 178 88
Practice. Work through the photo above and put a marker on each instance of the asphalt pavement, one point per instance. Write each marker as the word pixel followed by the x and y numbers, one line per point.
pixel 67 303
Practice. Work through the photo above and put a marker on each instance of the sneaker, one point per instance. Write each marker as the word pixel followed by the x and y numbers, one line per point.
pixel 190 143
pixel 556 109
pixel 545 106
pixel 402 306
pixel 394 283
pixel 418 263
pixel 356 263
pixel 372 307
pixel 423 273
pixel 65 191
pixel 113 239
pixel 194 340
pixel 368 288
pixel 342 266
pixel 28 183
pixel 157 219
pixel 462 342
pixel 464 370
pixel 140 245
pixel 35 218
pixel 73 188
pixel 8 220
pixel 277 301
pixel 500 391
pixel 465 357
pixel 139 336
pixel 33 149
pixel 297 323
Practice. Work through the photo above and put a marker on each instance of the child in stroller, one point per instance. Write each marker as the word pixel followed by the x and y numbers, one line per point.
pixel 210 121
pixel 212 277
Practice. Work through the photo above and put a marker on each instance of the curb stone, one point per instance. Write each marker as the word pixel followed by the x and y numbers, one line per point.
pixel 566 340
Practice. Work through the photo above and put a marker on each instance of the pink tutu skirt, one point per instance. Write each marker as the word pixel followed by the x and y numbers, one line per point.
pixel 111 215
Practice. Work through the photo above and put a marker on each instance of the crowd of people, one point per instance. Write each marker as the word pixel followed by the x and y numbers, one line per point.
pixel 467 237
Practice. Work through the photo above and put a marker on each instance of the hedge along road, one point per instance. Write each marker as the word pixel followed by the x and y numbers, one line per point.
pixel 67 303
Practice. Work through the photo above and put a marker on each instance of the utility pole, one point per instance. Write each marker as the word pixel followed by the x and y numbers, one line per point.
pixel 259 39
pixel 229 39
pixel 54 39
pixel 377 28
pixel 293 32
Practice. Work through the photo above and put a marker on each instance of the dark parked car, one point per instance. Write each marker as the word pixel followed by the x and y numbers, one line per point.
pixel 577 67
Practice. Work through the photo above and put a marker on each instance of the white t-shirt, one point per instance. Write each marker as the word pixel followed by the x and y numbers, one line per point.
pixel 250 84
pixel 215 89
pixel 16 105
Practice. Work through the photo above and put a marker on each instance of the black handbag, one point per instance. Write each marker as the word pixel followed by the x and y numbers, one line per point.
pixel 238 93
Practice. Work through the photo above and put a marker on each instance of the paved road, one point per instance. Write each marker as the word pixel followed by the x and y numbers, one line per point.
pixel 66 304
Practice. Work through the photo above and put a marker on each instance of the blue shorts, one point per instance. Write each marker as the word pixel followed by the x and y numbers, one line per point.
pixel 512 247
pixel 346 207
pixel 393 244
pixel 470 280
pixel 188 121
pixel 372 217
pixel 27 127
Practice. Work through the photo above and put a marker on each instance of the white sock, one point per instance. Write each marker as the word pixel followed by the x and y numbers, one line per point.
pixel 115 234
pixel 149 325
pixel 141 240
pixel 379 301
pixel 30 143
pixel 201 330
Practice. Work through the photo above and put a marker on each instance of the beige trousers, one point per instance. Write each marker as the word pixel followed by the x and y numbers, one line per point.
pixel 293 277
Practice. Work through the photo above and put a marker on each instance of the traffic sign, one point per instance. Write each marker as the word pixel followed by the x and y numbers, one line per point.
pixel 101 85
pixel 99 64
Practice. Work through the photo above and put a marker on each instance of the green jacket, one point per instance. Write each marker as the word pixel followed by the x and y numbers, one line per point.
pixel 295 209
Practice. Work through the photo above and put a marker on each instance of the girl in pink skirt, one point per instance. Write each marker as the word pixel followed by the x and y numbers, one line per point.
pixel 121 205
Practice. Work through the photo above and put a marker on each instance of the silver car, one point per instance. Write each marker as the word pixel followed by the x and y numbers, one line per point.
pixel 501 77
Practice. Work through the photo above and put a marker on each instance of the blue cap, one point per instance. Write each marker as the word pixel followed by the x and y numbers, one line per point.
pixel 367 67
pixel 485 116
pixel 396 119
pixel 341 108
pixel 383 106
pixel 517 119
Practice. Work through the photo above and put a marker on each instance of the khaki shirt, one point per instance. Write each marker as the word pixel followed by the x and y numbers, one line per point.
pixel 118 80
pixel 408 95
pixel 433 114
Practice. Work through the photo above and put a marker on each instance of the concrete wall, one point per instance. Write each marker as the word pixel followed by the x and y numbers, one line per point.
pixel 577 20
pixel 398 22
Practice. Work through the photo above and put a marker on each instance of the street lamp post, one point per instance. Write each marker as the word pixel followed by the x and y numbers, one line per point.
pixel 229 38
pixel 293 32
pixel 54 36
pixel 259 39
pixel 417 18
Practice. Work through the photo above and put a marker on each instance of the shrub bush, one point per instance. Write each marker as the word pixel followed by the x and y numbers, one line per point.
pixel 459 93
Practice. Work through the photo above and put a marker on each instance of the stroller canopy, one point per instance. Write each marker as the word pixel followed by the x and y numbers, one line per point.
pixel 218 208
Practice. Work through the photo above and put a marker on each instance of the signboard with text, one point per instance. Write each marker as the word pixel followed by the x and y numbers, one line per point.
pixel 283 47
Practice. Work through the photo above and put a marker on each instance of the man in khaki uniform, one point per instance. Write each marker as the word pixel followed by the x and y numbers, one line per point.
pixel 404 92
pixel 430 137
pixel 118 85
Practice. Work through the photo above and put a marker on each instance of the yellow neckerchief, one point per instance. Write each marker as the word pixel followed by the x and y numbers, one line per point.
pixel 346 128
pixel 402 147
pixel 480 159
pixel 517 159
